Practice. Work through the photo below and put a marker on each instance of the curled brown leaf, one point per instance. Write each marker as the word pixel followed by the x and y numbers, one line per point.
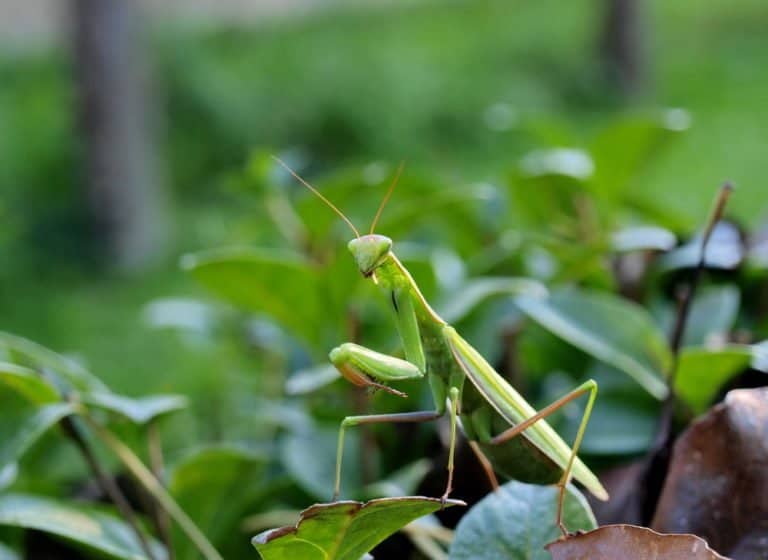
pixel 630 542
pixel 717 486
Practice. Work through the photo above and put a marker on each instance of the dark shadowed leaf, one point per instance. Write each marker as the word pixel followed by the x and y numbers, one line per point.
pixel 613 330
pixel 140 410
pixel 516 521
pixel 32 429
pixel 717 486
pixel 343 530
pixel 28 383
pixel 701 373
pixel 91 527
pixel 613 542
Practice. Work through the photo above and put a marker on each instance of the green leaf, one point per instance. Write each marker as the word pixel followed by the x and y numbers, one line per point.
pixel 32 429
pixel 643 238
pixel 28 383
pixel 343 530
pixel 214 485
pixel 88 526
pixel 702 372
pixel 609 328
pixel 139 411
pixel 516 521
pixel 280 284
pixel 476 291
pixel 622 149
pixel 28 353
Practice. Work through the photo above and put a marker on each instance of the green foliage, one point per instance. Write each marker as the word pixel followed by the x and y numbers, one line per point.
pixel 517 168
pixel 92 528
pixel 512 522
pixel 609 328
pixel 344 530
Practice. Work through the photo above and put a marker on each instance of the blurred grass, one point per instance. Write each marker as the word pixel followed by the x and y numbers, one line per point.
pixel 394 81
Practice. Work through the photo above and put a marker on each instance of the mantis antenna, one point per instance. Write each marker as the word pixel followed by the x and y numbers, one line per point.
pixel 320 196
pixel 386 196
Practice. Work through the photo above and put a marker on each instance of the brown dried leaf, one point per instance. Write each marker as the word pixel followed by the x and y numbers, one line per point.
pixel 717 485
pixel 630 542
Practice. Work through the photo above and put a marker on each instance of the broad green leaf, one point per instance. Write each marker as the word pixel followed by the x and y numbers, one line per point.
pixel 33 428
pixel 343 530
pixel 8 554
pixel 28 353
pixel 277 283
pixel 140 410
pixel 516 521
pixel 622 149
pixel 643 238
pixel 310 458
pixel 28 383
pixel 91 527
pixel 611 329
pixel 215 486
pixel 702 372
pixel 476 291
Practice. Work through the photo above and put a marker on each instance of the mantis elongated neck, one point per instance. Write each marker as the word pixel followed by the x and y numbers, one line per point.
pixel 393 276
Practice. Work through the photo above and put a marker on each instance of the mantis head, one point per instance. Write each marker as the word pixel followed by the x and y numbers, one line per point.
pixel 370 251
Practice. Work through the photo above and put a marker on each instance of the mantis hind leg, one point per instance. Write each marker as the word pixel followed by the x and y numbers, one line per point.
pixel 587 387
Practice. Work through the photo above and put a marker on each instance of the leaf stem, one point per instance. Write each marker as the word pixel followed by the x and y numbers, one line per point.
pixel 156 461
pixel 105 482
pixel 153 486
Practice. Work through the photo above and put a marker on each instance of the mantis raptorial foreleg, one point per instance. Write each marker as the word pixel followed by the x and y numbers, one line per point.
pixel 362 366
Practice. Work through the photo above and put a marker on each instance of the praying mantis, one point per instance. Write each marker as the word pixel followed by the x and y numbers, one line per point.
pixel 433 349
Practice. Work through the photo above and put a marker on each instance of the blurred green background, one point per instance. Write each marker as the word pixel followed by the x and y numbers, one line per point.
pixel 462 89
pixel 529 137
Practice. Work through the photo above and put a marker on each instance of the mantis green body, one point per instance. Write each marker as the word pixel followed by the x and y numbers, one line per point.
pixel 433 349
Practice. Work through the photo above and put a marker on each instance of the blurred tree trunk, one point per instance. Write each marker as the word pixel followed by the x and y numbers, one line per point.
pixel 124 192
pixel 622 46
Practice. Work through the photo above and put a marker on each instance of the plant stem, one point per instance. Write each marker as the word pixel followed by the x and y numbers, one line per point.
pixel 684 308
pixel 105 482
pixel 156 462
pixel 153 486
